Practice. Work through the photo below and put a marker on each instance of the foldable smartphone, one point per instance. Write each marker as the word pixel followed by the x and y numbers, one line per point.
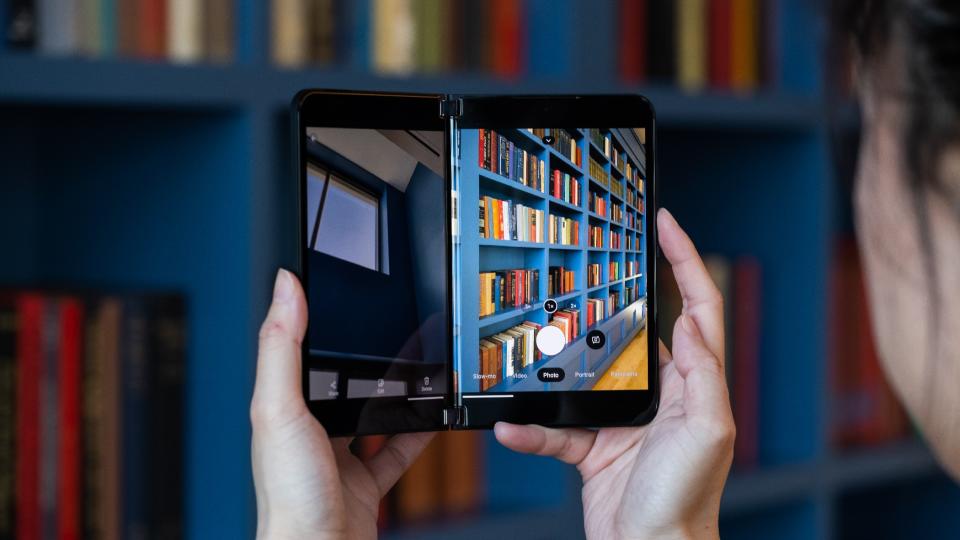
pixel 475 259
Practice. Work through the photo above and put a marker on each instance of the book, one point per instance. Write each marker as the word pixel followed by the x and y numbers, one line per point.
pixel 165 342
pixel 594 276
pixel 101 420
pixel 290 36
pixel 507 48
pixel 133 419
pixel 394 31
pixel 508 289
pixel 184 31
pixel 744 46
pixel 68 504
pixel 565 187
pixel 30 309
pixel 57 29
pixel 218 30
pixel 720 40
pixel 563 231
pixel 661 42
pixel 595 237
pixel 561 281
pixel 462 472
pixel 507 220
pixel 152 29
pixel 745 359
pixel 418 490
pixel 8 418
pixel 691 32
pixel 21 21
pixel 633 47
pixel 568 321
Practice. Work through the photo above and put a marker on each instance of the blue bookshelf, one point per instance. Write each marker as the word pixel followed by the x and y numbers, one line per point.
pixel 492 255
pixel 125 173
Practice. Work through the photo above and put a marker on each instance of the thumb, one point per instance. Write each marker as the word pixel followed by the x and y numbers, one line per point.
pixel 281 335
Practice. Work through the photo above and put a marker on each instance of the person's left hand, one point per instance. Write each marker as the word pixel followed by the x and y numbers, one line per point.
pixel 308 485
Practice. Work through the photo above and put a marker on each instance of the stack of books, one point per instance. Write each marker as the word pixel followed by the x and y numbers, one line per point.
pixel 597 204
pixel 594 277
pixel 565 187
pixel 598 173
pixel 500 155
pixel 564 231
pixel 568 321
pixel 596 311
pixel 566 145
pixel 507 220
pixel 595 236
pixel 171 30
pixel 507 353
pixel 696 44
pixel 91 415
pixel 561 281
pixel 508 289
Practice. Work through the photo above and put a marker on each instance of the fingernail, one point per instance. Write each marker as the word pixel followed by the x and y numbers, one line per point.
pixel 283 286
pixel 666 214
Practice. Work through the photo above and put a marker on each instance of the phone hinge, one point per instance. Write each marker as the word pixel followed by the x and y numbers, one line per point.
pixel 451 107
pixel 455 416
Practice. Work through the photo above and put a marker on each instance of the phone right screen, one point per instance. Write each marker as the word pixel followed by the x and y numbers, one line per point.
pixel 552 270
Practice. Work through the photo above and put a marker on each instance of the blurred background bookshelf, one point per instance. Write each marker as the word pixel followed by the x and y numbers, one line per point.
pixel 165 165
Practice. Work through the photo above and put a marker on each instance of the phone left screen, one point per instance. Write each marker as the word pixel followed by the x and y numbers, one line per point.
pixel 375 264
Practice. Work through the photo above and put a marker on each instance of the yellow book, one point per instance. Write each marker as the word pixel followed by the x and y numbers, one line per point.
pixel 744 51
pixel 691 33
pixel 394 31
pixel 290 36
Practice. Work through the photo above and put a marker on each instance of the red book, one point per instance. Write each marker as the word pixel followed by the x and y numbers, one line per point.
pixel 71 347
pixel 721 22
pixel 507 45
pixel 153 26
pixel 746 359
pixel 29 361
pixel 633 28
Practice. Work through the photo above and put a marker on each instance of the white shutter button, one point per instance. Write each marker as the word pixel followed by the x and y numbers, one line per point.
pixel 550 340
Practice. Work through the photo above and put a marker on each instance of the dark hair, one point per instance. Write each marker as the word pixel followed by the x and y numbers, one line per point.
pixel 922 38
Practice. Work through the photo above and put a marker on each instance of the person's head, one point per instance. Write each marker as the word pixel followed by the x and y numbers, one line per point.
pixel 907 199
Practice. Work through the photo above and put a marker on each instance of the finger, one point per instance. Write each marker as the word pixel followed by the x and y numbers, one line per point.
pixel 341 444
pixel 705 389
pixel 278 363
pixel 665 356
pixel 389 464
pixel 701 298
pixel 568 445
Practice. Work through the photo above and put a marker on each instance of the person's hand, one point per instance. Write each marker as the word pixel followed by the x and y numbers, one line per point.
pixel 308 485
pixel 663 480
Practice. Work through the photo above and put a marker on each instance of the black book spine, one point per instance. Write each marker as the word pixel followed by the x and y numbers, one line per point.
pixel 166 338
pixel 474 15
pixel 8 378
pixel 21 24
pixel 662 43
pixel 134 429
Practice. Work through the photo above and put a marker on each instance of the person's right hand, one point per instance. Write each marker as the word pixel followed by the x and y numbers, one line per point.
pixel 663 480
